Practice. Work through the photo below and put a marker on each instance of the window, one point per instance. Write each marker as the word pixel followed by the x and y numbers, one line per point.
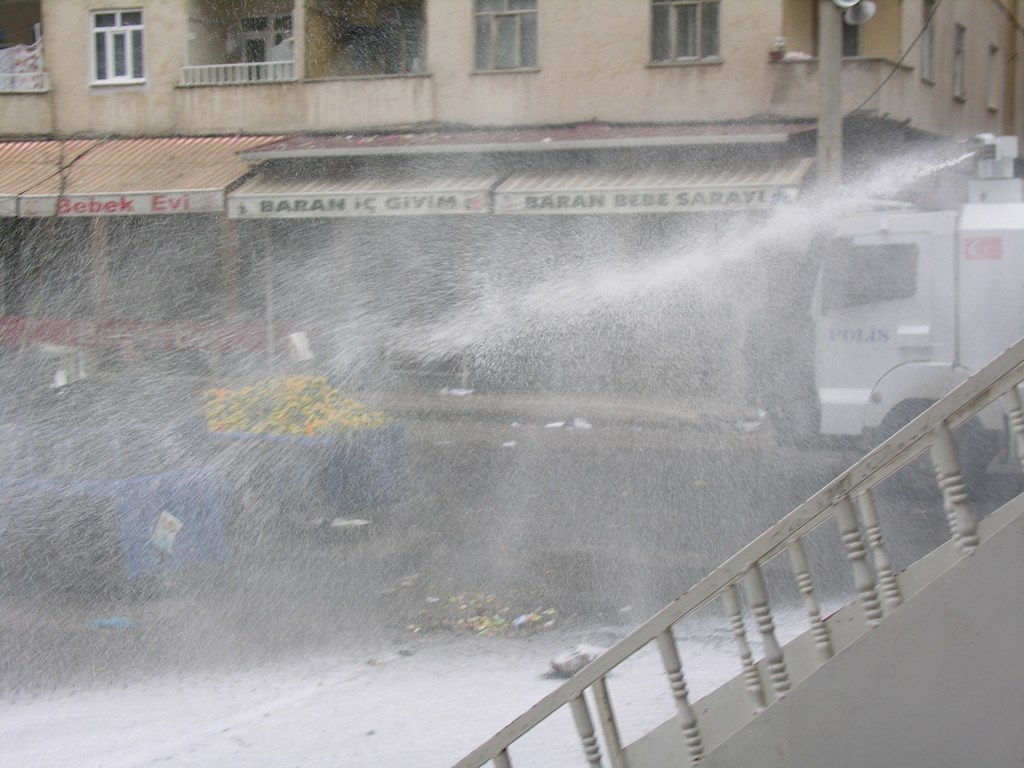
pixel 682 31
pixel 388 42
pixel 506 34
pixel 958 62
pixel 928 42
pixel 117 47
pixel 265 38
pixel 992 78
pixel 865 274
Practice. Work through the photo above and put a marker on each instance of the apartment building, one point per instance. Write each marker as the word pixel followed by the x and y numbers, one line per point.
pixel 204 67
pixel 314 153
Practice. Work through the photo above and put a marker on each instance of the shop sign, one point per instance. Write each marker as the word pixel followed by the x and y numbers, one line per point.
pixel 678 200
pixel 134 335
pixel 126 204
pixel 355 204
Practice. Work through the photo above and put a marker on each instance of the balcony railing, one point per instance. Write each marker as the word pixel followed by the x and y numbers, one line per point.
pixel 238 74
pixel 24 82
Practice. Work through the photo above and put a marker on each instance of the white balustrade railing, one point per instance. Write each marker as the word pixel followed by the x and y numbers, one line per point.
pixel 238 74
pixel 24 82
pixel 849 500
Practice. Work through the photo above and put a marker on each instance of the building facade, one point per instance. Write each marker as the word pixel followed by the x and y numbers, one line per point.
pixel 195 67
pixel 472 186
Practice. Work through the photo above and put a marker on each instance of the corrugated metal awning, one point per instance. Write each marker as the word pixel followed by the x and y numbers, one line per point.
pixel 594 135
pixel 33 166
pixel 275 198
pixel 118 177
pixel 745 188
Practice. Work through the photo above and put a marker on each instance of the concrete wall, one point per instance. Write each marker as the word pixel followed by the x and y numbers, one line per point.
pixel 25 114
pixel 595 64
pixel 936 684
pixel 935 106
pixel 80 107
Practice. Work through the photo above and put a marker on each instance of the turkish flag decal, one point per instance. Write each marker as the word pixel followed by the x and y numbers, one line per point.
pixel 983 248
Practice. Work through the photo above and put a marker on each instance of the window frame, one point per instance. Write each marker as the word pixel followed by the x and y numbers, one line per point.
pixel 272 35
pixel 674 32
pixel 959 57
pixel 928 42
pixel 993 80
pixel 132 35
pixel 489 21
pixel 850 277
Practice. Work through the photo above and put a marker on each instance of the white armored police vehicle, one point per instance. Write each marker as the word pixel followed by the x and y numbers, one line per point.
pixel 909 304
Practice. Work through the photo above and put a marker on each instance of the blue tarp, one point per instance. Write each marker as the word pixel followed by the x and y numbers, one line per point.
pixel 75 492
pixel 198 499
pixel 353 473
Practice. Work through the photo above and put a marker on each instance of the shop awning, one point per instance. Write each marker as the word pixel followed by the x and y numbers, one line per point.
pixel 26 166
pixel 746 188
pixel 589 136
pixel 267 197
pixel 122 177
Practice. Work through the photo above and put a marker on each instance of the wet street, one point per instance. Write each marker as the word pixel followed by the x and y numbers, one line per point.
pixel 580 521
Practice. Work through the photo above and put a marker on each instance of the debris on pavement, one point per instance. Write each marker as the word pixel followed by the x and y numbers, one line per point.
pixel 456 392
pixel 544 619
pixel 572 661
pixel 481 614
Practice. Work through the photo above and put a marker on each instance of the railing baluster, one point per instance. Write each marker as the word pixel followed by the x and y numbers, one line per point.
pixel 863 575
pixel 962 524
pixel 734 610
pixel 757 591
pixel 585 728
pixel 802 570
pixel 235 74
pixel 1015 405
pixel 687 717
pixel 888 588
pixel 609 728
pixel 501 760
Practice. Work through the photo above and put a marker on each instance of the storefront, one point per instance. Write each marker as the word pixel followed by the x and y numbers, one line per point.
pixel 515 260
pixel 544 259
pixel 121 247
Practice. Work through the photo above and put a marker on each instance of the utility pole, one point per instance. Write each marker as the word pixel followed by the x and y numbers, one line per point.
pixel 830 96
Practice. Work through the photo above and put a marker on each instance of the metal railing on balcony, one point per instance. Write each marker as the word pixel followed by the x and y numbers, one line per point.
pixel 24 82
pixel 849 501
pixel 238 74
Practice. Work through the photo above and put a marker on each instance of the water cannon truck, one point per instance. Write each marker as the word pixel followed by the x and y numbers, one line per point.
pixel 908 304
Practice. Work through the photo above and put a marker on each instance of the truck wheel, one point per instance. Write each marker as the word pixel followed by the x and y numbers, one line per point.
pixel 897 418
pixel 975 445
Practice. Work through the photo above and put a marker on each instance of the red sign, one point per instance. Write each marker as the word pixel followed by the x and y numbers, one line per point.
pixel 136 334
pixel 126 204
pixel 983 247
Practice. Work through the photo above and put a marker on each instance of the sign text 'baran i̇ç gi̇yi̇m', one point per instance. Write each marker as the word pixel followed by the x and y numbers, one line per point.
pixel 355 204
